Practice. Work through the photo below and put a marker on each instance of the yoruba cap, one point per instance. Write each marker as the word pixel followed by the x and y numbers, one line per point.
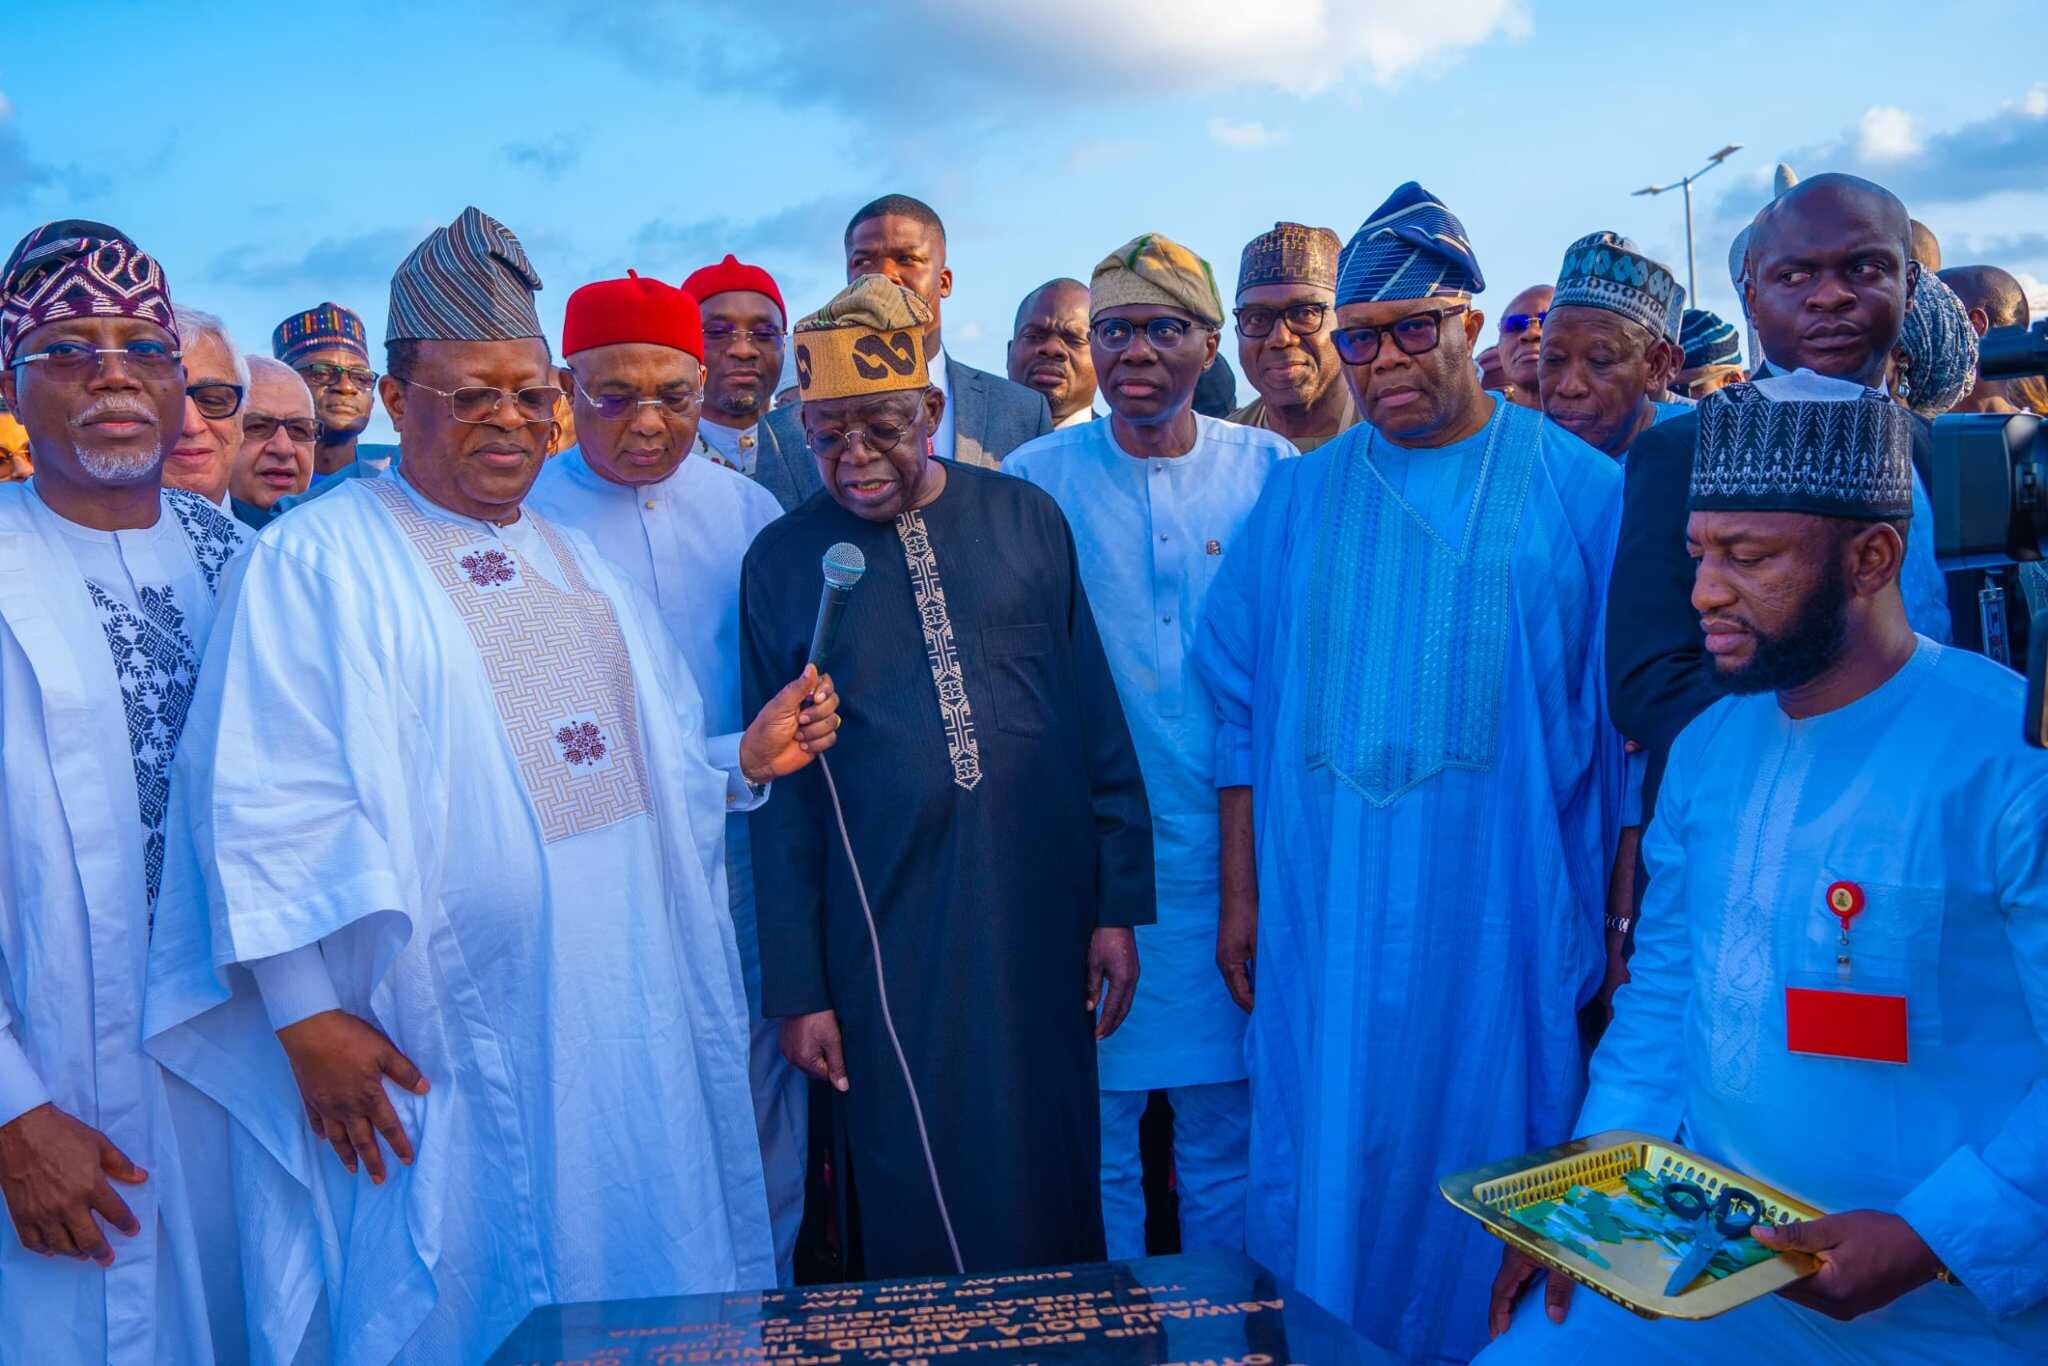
pixel 324 327
pixel 1708 339
pixel 469 281
pixel 76 268
pixel 1803 443
pixel 607 312
pixel 1413 247
pixel 733 274
pixel 1291 254
pixel 1607 271
pixel 1940 347
pixel 868 340
pixel 1155 269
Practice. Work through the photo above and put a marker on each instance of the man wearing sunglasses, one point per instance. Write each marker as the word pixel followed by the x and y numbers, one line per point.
pixel 107 590
pixel 1520 342
pixel 1286 310
pixel 1419 795
pixel 325 345
pixel 466 833
pixel 278 431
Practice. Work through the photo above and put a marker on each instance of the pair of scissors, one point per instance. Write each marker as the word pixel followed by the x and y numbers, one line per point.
pixel 1731 1214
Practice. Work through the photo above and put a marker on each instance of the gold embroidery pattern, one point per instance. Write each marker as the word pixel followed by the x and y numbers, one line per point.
pixel 558 668
pixel 947 679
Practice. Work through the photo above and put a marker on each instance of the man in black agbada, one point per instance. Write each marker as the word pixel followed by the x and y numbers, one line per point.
pixel 993 800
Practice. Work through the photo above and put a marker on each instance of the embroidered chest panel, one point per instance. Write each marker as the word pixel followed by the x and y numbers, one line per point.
pixel 936 620
pixel 558 668
pixel 156 667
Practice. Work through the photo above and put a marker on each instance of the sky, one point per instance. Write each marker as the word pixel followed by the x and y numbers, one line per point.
pixel 273 157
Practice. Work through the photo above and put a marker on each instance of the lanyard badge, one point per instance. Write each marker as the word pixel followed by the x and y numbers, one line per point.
pixel 1841 1021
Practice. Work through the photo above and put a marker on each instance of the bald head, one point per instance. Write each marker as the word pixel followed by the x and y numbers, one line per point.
pixel 1055 296
pixel 1990 291
pixel 1818 202
pixel 1926 250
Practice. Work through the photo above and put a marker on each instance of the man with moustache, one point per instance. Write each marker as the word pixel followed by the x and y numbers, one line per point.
pixel 278 432
pixel 1605 353
pixel 1887 1064
pixel 1154 496
pixel 985 417
pixel 216 383
pixel 325 344
pixel 107 584
pixel 1521 343
pixel 1827 279
pixel 677 522
pixel 1286 284
pixel 745 327
pixel 1049 350
pixel 1419 795
pixel 464 862
pixel 994 804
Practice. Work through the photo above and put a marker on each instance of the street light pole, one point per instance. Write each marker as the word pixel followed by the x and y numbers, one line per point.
pixel 1691 267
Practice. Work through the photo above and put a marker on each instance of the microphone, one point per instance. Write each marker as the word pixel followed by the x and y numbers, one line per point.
pixel 843 565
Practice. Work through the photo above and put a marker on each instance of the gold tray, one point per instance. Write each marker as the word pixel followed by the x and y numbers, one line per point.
pixel 1637 1277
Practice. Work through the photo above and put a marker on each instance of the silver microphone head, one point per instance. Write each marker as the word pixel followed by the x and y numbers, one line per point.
pixel 844 564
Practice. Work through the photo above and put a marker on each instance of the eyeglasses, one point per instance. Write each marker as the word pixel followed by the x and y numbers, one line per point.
pixel 215 400
pixel 1164 334
pixel 1414 335
pixel 880 437
pixel 324 376
pixel 260 428
pixel 72 359
pixel 612 407
pixel 477 404
pixel 1515 324
pixel 725 334
pixel 1303 320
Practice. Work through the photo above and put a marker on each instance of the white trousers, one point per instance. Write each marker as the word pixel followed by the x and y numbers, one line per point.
pixel 1211 1146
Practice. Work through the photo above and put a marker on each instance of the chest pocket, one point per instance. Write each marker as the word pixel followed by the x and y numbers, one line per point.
pixel 1021 677
pixel 1894 947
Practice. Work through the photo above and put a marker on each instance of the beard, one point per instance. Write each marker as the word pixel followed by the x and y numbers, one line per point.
pixel 1804 650
pixel 116 466
pixel 741 403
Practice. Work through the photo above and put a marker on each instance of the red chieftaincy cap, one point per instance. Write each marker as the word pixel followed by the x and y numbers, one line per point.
pixel 632 310
pixel 733 273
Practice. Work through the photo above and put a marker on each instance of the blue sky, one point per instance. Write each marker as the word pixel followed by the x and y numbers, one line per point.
pixel 276 156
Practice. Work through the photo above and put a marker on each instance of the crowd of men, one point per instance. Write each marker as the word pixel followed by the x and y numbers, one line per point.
pixel 426 893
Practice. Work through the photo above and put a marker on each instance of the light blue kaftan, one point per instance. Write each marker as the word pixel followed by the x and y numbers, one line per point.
pixel 1923 795
pixel 1151 536
pixel 1404 647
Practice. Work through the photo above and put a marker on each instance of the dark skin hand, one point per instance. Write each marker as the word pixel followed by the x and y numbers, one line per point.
pixel 54 1173
pixel 340 1062
pixel 1867 1259
pixel 795 726
pixel 1237 924
pixel 811 1043
pixel 1112 977
pixel 1516 1271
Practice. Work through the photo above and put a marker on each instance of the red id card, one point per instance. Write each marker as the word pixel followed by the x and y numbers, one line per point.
pixel 1864 1026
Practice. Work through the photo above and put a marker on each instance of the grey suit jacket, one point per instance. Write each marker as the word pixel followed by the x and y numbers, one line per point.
pixel 784 465
pixel 991 415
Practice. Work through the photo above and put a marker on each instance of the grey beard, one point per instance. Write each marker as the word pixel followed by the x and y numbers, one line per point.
pixel 114 467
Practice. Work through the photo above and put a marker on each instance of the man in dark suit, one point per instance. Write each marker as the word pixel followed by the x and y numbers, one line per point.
pixel 986 416
pixel 745 327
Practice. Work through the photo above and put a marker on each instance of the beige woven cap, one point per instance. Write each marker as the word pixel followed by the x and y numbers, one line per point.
pixel 868 340
pixel 1154 269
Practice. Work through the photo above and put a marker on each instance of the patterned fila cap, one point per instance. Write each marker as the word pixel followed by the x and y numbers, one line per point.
pixel 76 268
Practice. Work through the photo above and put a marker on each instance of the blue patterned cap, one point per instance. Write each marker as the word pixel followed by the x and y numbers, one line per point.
pixel 1411 248
pixel 1940 347
pixel 1803 443
pixel 1708 339
pixel 1606 270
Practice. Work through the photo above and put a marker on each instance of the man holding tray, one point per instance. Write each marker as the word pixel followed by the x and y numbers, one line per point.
pixel 1842 988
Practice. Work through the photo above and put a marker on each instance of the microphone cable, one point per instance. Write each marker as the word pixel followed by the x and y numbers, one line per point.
pixel 931 1166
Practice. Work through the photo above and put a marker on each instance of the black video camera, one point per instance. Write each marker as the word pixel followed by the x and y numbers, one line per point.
pixel 1988 481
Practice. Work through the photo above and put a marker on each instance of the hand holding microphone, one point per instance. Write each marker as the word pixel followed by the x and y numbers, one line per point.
pixel 802 721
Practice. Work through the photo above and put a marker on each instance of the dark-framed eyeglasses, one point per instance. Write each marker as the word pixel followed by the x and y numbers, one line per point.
pixel 260 427
pixel 478 403
pixel 324 376
pixel 1515 324
pixel 72 359
pixel 725 334
pixel 1414 335
pixel 215 400
pixel 1162 334
pixel 876 434
pixel 1303 319
pixel 612 407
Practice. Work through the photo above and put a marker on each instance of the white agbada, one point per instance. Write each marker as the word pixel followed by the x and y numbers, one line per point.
pixel 85 756
pixel 681 542
pixel 481 786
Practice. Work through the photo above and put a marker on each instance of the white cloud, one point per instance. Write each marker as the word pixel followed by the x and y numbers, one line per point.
pixel 966 334
pixel 2037 291
pixel 1232 133
pixel 1887 134
pixel 1090 155
pixel 2034 103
